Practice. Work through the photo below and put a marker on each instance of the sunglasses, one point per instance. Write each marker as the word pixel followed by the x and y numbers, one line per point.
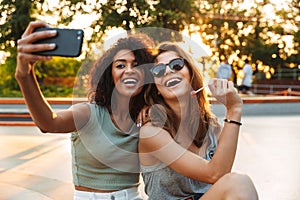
pixel 160 69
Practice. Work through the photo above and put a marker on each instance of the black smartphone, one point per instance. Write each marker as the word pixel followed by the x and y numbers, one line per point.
pixel 68 42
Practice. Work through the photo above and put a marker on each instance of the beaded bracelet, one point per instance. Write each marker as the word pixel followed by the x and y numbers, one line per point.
pixel 233 122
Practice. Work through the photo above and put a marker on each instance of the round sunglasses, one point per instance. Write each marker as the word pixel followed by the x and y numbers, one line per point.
pixel 160 69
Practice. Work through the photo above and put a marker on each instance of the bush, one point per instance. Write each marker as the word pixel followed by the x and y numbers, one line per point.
pixel 62 72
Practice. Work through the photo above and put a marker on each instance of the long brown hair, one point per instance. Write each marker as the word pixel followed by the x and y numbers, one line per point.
pixel 162 114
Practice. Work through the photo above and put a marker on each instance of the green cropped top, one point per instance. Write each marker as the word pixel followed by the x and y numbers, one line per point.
pixel 103 157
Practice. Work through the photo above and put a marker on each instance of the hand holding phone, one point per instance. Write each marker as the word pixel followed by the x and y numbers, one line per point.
pixel 68 42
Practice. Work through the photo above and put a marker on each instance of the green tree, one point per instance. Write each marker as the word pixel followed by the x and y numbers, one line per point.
pixel 57 76
pixel 236 30
pixel 15 15
pixel 130 14
pixel 230 28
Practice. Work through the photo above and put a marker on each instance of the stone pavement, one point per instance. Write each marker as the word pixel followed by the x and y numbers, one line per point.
pixel 38 166
pixel 34 165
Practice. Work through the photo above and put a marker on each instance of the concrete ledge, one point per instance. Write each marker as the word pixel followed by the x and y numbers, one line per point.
pixel 13 111
pixel 266 99
pixel 14 115
pixel 262 109
pixel 246 99
pixel 50 100
pixel 16 123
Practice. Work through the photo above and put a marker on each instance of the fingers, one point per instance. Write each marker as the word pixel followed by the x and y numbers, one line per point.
pixel 26 46
pixel 224 91
pixel 35 36
pixel 26 43
pixel 218 86
pixel 231 86
pixel 25 51
pixel 143 117
pixel 31 48
pixel 139 119
pixel 33 25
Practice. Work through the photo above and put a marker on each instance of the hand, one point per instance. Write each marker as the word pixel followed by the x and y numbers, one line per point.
pixel 225 93
pixel 25 58
pixel 143 117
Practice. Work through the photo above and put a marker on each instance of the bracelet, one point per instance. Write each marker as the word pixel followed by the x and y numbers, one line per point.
pixel 233 122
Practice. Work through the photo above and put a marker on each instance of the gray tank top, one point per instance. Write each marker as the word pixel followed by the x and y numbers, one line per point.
pixel 162 182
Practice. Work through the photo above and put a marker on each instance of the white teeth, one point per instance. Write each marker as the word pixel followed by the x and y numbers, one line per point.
pixel 130 81
pixel 172 82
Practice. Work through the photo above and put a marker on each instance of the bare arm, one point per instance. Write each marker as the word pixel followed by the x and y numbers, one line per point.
pixel 41 112
pixel 158 143
pixel 226 94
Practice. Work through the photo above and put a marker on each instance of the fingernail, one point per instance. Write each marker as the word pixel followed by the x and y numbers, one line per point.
pixel 53 32
pixel 52 45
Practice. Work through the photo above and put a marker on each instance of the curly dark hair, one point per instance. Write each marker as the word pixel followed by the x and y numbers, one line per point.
pixel 101 80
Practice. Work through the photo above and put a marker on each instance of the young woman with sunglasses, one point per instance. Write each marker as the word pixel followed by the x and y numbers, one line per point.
pixel 183 155
pixel 104 135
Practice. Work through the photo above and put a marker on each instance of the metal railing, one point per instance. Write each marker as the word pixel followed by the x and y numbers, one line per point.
pixel 293 74
pixel 274 89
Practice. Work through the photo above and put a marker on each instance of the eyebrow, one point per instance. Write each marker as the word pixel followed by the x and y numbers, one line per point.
pixel 123 60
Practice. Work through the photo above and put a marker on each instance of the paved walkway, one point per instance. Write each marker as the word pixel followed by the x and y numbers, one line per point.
pixel 38 166
pixel 33 165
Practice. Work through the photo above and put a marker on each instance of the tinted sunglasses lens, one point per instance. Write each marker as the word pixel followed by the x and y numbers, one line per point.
pixel 158 70
pixel 177 64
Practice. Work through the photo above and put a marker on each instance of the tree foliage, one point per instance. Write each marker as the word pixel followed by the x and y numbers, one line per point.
pixel 265 33
pixel 260 31
pixel 130 14
pixel 16 16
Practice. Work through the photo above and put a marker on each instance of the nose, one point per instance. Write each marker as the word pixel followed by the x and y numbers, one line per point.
pixel 129 68
pixel 168 70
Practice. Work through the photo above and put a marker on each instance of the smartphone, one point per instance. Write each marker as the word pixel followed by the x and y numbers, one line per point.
pixel 68 42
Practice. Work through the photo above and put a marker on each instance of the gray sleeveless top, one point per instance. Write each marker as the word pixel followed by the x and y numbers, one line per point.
pixel 162 182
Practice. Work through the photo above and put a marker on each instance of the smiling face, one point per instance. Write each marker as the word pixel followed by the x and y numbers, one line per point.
pixel 127 77
pixel 173 84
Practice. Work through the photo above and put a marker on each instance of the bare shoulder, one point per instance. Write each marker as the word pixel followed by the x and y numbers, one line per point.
pixel 148 130
pixel 80 107
pixel 81 113
pixel 153 138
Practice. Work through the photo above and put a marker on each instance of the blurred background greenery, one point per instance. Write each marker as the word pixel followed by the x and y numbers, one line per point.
pixel 264 31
